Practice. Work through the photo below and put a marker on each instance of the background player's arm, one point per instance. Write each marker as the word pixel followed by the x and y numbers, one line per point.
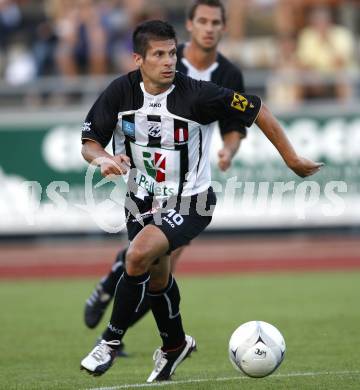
pixel 231 144
pixel 274 132
pixel 95 154
pixel 232 132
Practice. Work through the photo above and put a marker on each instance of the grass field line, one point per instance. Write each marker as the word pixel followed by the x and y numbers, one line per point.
pixel 231 378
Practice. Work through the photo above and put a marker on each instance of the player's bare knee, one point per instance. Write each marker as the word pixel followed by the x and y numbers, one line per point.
pixel 137 261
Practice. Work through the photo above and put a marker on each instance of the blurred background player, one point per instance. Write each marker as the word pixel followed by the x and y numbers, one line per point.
pixel 198 59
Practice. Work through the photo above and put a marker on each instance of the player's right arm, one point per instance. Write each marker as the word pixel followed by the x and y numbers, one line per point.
pixel 98 129
pixel 109 165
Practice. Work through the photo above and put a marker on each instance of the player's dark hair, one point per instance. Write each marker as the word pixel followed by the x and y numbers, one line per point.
pixel 155 30
pixel 209 3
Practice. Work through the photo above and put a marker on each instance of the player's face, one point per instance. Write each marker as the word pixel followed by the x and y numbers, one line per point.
pixel 158 65
pixel 207 27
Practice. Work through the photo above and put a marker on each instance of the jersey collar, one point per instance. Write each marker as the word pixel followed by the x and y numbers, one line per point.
pixel 160 95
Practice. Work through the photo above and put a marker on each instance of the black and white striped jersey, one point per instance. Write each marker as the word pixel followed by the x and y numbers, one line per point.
pixel 223 73
pixel 166 136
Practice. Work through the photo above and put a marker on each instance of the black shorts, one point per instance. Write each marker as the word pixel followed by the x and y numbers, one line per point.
pixel 180 218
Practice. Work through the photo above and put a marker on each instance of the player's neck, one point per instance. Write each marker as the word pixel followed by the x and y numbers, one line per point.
pixel 154 88
pixel 198 57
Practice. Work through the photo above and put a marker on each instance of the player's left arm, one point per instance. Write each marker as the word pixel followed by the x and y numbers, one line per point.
pixel 216 103
pixel 274 132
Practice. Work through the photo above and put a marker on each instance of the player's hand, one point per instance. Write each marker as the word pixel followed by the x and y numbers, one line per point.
pixel 304 167
pixel 225 158
pixel 116 165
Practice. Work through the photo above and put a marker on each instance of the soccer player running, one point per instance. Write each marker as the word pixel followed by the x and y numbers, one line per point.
pixel 161 123
pixel 200 60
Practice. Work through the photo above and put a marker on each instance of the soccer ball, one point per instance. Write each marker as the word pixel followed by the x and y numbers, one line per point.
pixel 256 349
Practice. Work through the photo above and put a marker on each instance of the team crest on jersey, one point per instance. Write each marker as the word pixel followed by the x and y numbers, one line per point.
pixel 239 102
pixel 155 165
pixel 154 129
pixel 181 135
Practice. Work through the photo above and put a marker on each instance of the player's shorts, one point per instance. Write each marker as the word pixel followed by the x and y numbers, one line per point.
pixel 180 218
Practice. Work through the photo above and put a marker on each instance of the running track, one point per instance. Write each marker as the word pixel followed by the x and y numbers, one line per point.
pixel 90 258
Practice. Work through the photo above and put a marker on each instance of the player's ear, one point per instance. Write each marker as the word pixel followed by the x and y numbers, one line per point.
pixel 189 25
pixel 137 59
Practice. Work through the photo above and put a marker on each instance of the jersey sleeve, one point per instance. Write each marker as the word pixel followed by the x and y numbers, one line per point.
pixel 216 103
pixel 101 120
pixel 228 125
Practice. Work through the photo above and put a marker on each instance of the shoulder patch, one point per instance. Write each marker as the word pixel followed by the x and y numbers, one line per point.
pixel 239 102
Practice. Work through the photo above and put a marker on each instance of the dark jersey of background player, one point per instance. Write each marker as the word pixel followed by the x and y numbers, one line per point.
pixel 221 72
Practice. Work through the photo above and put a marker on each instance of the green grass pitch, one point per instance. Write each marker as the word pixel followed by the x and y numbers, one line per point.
pixel 43 337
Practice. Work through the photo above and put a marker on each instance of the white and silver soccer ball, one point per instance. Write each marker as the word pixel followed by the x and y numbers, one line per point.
pixel 256 348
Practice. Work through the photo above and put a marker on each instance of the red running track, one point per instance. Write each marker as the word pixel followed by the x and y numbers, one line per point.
pixel 204 257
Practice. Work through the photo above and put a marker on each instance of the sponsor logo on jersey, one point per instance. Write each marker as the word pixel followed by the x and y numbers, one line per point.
pixel 181 135
pixel 154 129
pixel 150 186
pixel 155 105
pixel 239 102
pixel 155 165
pixel 128 128
pixel 86 126
pixel 158 170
